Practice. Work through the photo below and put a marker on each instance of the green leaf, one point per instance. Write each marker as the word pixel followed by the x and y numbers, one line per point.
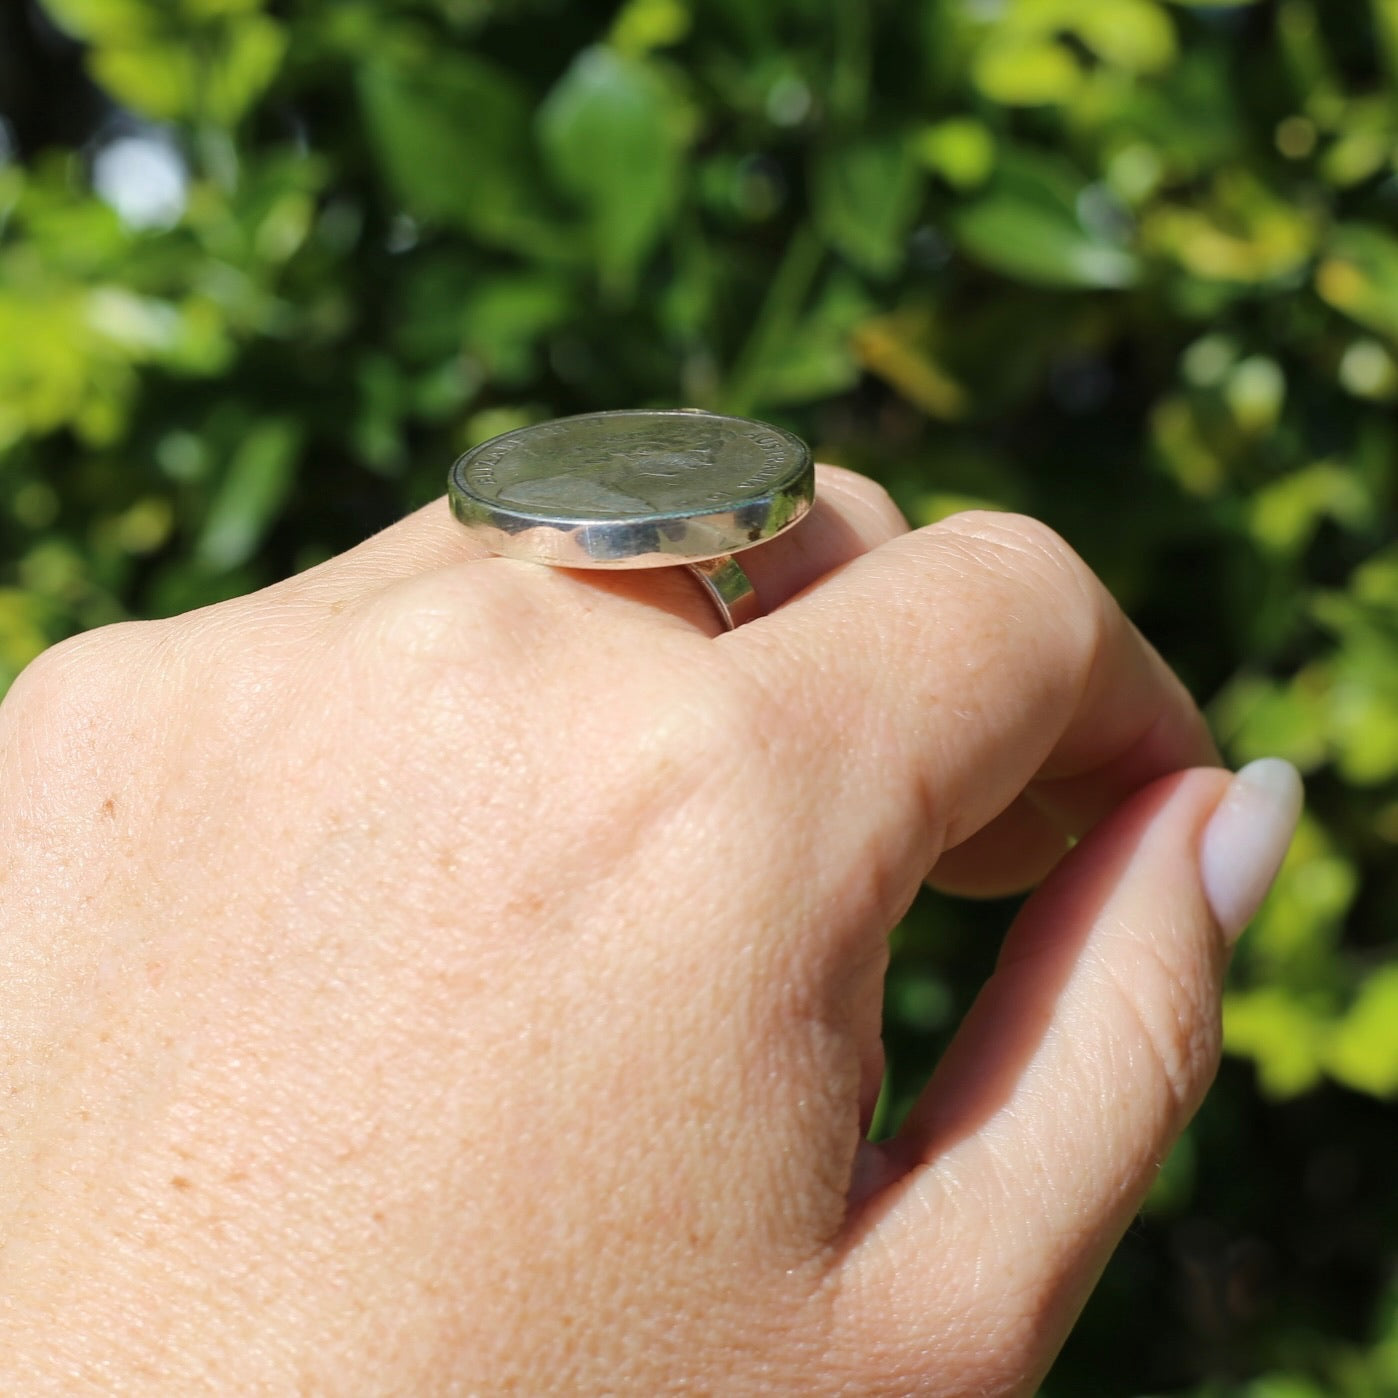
pixel 959 149
pixel 643 26
pixel 451 132
pixel 1173 1187
pixel 105 21
pixel 1028 227
pixel 256 484
pixel 503 320
pixel 1283 1036
pixel 1386 23
pixel 1292 939
pixel 212 69
pixel 1267 718
pixel 614 137
pixel 159 79
pixel 1136 35
pixel 1359 276
pixel 1286 514
pixel 1363 1049
pixel 1245 233
pixel 818 358
pixel 242 67
pixel 865 195
pixel 22 632
pixel 1029 73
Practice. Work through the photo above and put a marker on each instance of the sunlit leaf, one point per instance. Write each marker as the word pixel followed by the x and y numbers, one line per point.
pixel 502 320
pixel 1241 233
pixel 1363 1048
pixel 1292 939
pixel 143 57
pixel 1265 718
pixel 1136 35
pixel 1286 514
pixel 1028 73
pixel 1256 393
pixel 1359 276
pixel 106 21
pixel 259 476
pixel 1283 1036
pixel 241 67
pixel 959 149
pixel 902 349
pixel 645 25
pixel 1386 24
pixel 453 136
pixel 159 79
pixel 22 632
pixel 1028 225
pixel 615 136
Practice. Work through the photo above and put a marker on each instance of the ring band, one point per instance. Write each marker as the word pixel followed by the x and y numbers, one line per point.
pixel 729 588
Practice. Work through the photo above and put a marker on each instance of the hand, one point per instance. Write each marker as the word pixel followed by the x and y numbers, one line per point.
pixel 439 974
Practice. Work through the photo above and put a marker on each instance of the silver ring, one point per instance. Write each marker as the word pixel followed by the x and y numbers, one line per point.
pixel 730 590
pixel 638 489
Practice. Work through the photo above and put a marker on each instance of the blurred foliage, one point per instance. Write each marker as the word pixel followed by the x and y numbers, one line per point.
pixel 265 268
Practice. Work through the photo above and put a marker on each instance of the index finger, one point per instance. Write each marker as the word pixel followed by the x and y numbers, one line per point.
pixel 954 668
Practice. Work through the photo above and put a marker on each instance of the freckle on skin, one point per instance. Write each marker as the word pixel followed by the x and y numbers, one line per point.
pixel 109 808
pixel 527 905
pixel 180 1182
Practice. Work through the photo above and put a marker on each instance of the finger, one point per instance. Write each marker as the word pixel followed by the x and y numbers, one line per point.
pixel 1023 843
pixel 949 671
pixel 1012 853
pixel 1083 1058
pixel 851 515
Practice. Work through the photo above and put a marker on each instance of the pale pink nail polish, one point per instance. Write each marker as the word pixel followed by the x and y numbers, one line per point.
pixel 1246 840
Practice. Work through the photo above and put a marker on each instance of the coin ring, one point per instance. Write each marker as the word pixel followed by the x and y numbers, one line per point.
pixel 638 489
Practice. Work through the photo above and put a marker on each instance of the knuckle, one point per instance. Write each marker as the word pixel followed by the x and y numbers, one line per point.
pixel 1029 560
pixel 874 500
pixel 675 751
pixel 79 716
pixel 491 652
pixel 1174 1020
pixel 430 648
pixel 74 681
pixel 1027 544
pixel 688 728
pixel 470 615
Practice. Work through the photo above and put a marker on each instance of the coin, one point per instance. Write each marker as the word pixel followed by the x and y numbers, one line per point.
pixel 633 489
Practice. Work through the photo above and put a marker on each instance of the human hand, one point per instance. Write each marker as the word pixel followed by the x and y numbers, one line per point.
pixel 439 974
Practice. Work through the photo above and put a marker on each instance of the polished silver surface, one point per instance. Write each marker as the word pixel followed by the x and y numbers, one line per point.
pixel 633 489
pixel 730 590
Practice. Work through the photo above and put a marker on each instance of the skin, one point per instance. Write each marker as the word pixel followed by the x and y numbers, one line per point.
pixel 444 975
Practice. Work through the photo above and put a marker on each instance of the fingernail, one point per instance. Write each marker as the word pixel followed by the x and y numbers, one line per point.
pixel 1246 840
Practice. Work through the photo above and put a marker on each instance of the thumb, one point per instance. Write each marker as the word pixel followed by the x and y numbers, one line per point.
pixel 1083 1058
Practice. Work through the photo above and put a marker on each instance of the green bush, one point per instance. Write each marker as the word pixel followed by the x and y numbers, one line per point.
pixel 1127 265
